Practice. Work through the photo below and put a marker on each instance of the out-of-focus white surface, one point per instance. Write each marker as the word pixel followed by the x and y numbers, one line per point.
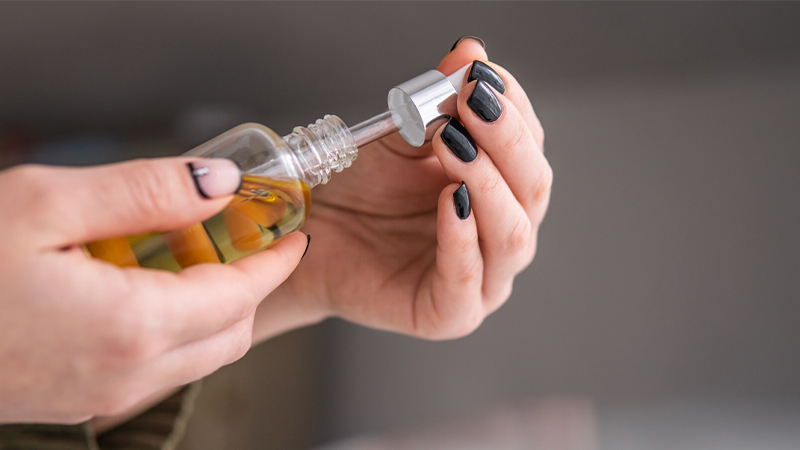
pixel 721 425
pixel 574 424
pixel 552 424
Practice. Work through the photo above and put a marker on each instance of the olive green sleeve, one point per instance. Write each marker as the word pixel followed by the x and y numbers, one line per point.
pixel 46 437
pixel 159 428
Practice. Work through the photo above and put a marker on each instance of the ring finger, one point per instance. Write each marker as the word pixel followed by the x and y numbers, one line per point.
pixel 504 229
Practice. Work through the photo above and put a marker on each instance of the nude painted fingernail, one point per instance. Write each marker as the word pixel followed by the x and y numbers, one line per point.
pixel 215 177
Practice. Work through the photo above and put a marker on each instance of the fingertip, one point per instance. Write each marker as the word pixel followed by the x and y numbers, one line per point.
pixel 482 70
pixel 295 244
pixel 447 194
pixel 216 177
pixel 308 243
pixel 486 108
pixel 461 202
pixel 293 247
pixel 457 236
pixel 517 95
pixel 469 37
pixel 284 256
pixel 465 51
pixel 449 209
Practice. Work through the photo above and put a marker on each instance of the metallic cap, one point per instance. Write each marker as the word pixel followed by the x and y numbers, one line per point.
pixel 420 105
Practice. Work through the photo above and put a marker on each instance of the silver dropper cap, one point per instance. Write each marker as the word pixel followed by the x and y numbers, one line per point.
pixel 417 108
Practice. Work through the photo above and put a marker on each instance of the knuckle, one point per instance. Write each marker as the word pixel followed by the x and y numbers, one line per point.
pixel 518 236
pixel 491 182
pixel 538 134
pixel 457 325
pixel 505 292
pixel 127 349
pixel 500 296
pixel 472 271
pixel 241 344
pixel 515 138
pixel 28 182
pixel 131 338
pixel 248 300
pixel 530 253
pixel 26 174
pixel 468 325
pixel 543 184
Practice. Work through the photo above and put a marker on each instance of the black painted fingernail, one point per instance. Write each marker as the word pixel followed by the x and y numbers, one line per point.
pixel 308 241
pixel 461 200
pixel 481 71
pixel 476 38
pixel 458 140
pixel 485 103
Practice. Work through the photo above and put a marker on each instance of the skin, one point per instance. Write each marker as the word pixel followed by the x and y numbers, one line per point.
pixel 405 262
pixel 80 338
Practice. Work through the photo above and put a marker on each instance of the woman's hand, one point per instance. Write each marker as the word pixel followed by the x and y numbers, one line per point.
pixel 80 337
pixel 395 246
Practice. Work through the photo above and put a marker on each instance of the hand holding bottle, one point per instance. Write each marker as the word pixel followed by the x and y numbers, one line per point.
pixel 426 241
pixel 80 337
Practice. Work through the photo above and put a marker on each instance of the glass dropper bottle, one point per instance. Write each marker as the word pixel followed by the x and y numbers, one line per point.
pixel 279 173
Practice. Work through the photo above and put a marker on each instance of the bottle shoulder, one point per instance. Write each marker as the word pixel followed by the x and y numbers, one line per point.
pixel 250 136
pixel 257 131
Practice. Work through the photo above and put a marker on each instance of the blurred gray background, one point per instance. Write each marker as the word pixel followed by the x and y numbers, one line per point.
pixel 669 263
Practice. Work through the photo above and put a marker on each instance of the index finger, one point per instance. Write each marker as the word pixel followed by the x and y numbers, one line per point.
pixel 519 98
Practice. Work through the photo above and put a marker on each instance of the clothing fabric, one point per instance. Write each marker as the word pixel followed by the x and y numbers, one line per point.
pixel 159 428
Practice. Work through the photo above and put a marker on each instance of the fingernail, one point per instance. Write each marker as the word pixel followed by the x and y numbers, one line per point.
pixel 308 241
pixel 458 140
pixel 482 71
pixel 215 177
pixel 485 103
pixel 474 38
pixel 461 200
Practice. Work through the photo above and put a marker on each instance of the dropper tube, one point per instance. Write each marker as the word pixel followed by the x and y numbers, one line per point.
pixel 373 129
pixel 416 109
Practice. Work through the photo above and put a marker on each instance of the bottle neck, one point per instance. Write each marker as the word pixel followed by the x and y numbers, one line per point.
pixel 322 148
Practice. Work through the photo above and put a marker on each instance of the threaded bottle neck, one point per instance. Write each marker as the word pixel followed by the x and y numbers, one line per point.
pixel 322 148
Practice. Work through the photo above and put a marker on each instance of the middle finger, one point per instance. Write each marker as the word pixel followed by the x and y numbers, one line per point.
pixel 498 127
pixel 504 230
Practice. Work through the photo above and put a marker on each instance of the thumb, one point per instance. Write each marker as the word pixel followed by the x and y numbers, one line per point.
pixel 78 205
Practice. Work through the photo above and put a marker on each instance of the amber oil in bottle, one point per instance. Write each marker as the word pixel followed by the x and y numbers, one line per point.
pixel 274 199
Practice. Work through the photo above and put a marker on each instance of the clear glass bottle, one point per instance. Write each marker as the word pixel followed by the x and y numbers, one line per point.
pixel 274 198
pixel 279 173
